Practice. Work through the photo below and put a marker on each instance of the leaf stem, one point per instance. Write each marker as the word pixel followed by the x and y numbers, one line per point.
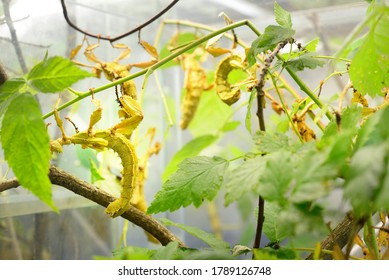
pixel 75 92
pixel 286 109
pixel 332 57
pixel 306 89
pixel 163 97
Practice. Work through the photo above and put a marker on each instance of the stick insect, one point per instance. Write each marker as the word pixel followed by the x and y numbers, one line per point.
pixel 112 138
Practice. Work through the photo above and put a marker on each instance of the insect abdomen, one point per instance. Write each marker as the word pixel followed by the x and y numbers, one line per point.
pixel 126 151
pixel 227 93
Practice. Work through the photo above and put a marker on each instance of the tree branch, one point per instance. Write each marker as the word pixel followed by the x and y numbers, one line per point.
pixel 342 234
pixel 113 39
pixel 68 181
pixel 260 101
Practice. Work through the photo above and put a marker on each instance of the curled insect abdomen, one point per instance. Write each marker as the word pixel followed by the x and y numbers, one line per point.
pixel 126 151
pixel 228 93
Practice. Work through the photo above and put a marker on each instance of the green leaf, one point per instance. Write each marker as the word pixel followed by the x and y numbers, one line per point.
pixel 168 252
pixel 303 61
pixel 350 118
pixel 95 173
pixel 8 91
pixel 206 237
pixel 272 35
pixel 304 221
pixel 230 126
pixel 339 142
pixel 374 130
pixel 247 122
pixel 277 176
pixel 190 149
pixel 243 179
pixel 211 115
pixel 268 143
pixel 11 86
pixel 133 253
pixel 283 17
pixel 196 179
pixel 367 181
pixel 88 159
pixel 312 173
pixel 271 225
pixel 312 45
pixel 370 76
pixel 26 146
pixel 55 74
pixel 274 254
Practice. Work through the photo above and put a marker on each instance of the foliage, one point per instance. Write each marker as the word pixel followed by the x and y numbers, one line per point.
pixel 24 136
pixel 373 77
pixel 295 171
pixel 196 179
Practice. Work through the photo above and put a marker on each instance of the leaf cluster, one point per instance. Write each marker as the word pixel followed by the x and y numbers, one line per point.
pixel 24 136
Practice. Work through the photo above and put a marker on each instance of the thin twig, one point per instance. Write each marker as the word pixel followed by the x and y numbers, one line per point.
pixel 68 181
pixel 14 37
pixel 26 43
pixel 113 39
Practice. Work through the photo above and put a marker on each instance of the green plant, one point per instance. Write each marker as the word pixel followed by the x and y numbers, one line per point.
pixel 293 167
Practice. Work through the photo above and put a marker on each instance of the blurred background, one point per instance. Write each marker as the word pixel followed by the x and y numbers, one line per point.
pixel 28 229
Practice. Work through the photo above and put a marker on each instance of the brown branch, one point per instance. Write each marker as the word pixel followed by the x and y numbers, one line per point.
pixel 3 74
pixel 342 235
pixel 261 119
pixel 108 38
pixel 68 181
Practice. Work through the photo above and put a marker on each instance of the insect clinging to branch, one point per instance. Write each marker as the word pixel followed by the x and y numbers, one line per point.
pixel 228 93
pixel 116 137
pixel 112 138
pixel 114 70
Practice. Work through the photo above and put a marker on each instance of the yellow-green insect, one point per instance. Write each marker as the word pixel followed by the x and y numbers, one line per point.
pixel 228 93
pixel 113 138
pixel 195 81
pixel 126 151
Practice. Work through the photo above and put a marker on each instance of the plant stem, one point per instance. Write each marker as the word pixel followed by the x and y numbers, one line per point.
pixel 262 127
pixel 371 238
pixel 332 57
pixel 286 109
pixel 164 101
pixel 306 89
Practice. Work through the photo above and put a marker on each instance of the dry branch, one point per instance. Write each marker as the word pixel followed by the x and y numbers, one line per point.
pixel 68 181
